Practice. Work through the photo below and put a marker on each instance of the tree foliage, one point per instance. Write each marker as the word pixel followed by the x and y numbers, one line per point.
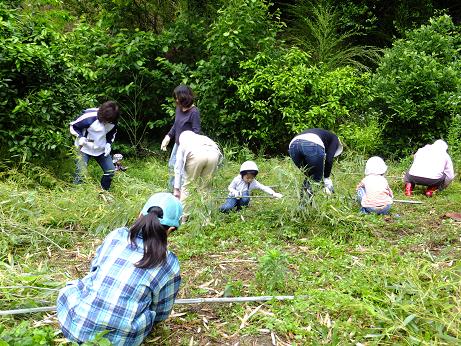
pixel 241 30
pixel 252 86
pixel 417 84
pixel 39 87
pixel 279 96
pixel 316 30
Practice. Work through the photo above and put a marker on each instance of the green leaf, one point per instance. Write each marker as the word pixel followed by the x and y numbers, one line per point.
pixel 409 319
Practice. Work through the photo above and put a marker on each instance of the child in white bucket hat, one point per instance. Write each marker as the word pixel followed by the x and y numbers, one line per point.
pixel 373 191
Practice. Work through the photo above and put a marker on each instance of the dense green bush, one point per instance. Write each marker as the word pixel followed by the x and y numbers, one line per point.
pixel 39 87
pixel 48 78
pixel 241 30
pixel 139 70
pixel 417 85
pixel 279 96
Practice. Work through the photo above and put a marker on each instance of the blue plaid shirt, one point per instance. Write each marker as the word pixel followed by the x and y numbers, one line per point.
pixel 118 297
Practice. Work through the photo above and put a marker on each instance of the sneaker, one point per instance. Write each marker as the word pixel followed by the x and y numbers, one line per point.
pixel 408 189
pixel 430 191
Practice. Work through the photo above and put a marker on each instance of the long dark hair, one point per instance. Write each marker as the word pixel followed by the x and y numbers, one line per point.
pixel 184 96
pixel 154 236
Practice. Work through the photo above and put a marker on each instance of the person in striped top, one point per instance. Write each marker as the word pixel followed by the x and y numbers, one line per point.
pixel 132 283
pixel 373 191
pixel 95 131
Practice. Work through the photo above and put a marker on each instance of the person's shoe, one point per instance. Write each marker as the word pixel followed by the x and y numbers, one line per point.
pixel 408 189
pixel 430 191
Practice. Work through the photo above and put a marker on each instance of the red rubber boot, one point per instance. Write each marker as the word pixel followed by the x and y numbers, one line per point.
pixel 408 189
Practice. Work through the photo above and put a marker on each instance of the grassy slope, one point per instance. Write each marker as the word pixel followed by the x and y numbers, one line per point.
pixel 367 279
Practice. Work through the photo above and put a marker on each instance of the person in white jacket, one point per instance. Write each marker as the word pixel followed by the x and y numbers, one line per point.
pixel 432 167
pixel 197 157
pixel 241 186
pixel 95 132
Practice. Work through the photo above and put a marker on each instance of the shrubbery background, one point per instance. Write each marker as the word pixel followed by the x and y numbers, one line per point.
pixel 255 83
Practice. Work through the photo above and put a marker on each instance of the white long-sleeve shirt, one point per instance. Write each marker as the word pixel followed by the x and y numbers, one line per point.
pixel 238 186
pixel 190 144
pixel 97 134
pixel 432 162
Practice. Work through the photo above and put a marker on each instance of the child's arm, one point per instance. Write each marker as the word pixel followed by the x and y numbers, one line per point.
pixel 390 191
pixel 360 184
pixel 266 189
pixel 233 187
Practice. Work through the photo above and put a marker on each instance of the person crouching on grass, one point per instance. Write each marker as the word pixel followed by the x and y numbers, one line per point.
pixel 432 167
pixel 132 283
pixel 374 192
pixel 197 159
pixel 241 186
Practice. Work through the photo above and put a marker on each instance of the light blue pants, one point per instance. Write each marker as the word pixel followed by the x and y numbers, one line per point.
pixel 232 202
pixel 368 210
pixel 171 163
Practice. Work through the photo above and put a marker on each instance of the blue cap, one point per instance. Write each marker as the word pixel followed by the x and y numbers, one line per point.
pixel 171 206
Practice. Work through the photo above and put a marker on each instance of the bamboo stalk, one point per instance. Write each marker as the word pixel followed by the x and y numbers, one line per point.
pixel 407 201
pixel 386 176
pixel 297 197
pixel 224 197
pixel 185 301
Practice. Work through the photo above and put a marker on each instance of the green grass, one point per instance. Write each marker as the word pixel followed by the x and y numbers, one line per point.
pixel 365 279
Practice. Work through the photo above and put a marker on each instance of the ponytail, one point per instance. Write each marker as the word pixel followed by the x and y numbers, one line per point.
pixel 154 236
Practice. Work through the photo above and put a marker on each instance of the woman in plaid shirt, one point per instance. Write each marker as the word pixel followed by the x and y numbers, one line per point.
pixel 133 280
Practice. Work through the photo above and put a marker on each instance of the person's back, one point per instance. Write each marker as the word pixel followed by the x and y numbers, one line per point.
pixel 131 285
pixel 373 191
pixel 114 292
pixel 430 162
pixel 377 191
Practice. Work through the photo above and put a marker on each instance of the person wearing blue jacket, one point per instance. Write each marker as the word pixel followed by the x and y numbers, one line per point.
pixel 95 131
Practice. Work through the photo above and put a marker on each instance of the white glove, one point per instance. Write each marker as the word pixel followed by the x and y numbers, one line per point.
pixel 328 186
pixel 165 142
pixel 82 141
pixel 107 149
pixel 236 194
pixel 277 195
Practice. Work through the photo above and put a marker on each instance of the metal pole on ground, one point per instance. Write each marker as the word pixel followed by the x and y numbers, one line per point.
pixel 185 301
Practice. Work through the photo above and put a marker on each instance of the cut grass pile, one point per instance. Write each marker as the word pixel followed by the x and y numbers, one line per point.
pixel 365 279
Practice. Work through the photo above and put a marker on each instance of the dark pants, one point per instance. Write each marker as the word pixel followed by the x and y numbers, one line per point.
pixel 232 202
pixel 310 158
pixel 105 162
pixel 440 182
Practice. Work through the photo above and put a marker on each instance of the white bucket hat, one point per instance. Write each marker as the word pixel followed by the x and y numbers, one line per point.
pixel 375 165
